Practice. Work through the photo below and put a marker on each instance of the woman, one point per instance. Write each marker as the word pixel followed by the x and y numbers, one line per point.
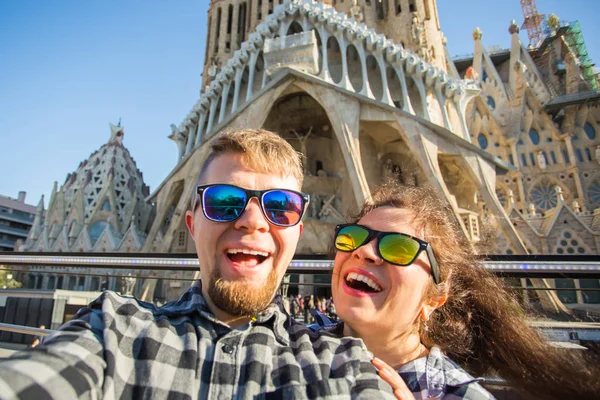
pixel 406 281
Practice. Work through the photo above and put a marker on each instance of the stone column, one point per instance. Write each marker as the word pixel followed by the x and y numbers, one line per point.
pixel 520 187
pixel 344 114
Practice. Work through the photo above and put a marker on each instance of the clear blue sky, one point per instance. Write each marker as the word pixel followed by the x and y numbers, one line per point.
pixel 69 67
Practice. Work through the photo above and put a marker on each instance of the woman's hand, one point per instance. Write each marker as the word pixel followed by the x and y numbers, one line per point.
pixel 392 377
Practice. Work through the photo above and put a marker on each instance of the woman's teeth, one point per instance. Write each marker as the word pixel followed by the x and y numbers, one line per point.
pixel 362 282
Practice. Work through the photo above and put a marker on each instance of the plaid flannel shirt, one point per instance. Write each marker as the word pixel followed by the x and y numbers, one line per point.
pixel 437 376
pixel 432 377
pixel 120 347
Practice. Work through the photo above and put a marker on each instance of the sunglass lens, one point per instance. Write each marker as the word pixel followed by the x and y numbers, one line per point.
pixel 283 207
pixel 224 203
pixel 349 238
pixel 398 249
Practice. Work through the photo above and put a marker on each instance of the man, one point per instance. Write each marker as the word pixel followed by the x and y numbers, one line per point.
pixel 225 337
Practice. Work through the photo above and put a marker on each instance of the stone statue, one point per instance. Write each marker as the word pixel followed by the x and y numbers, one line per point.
pixel 541 160
pixel 416 30
pixel 356 12
pixel 127 284
pixel 329 213
pixel 316 202
pixel 214 68
pixel 597 154
pixel 303 148
pixel 391 171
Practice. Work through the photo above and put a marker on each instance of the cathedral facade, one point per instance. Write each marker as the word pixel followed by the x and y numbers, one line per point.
pixel 367 90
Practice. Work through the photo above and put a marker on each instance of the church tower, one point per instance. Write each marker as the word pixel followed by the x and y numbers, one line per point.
pixel 229 24
pixel 412 23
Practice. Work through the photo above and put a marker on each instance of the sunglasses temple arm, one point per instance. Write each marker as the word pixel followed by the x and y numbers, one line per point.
pixel 435 269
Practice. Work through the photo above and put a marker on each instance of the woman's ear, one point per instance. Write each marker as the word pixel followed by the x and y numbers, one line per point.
pixel 431 305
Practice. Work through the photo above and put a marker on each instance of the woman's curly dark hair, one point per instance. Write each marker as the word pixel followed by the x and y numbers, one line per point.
pixel 482 326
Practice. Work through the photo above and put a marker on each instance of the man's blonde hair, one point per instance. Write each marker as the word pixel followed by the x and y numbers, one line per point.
pixel 263 151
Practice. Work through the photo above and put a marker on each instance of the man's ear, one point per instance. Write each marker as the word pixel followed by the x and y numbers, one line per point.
pixel 431 305
pixel 189 221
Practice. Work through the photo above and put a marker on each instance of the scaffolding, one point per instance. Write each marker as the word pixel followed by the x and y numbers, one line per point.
pixel 574 38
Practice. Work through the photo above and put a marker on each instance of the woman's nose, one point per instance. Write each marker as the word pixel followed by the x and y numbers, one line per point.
pixel 368 253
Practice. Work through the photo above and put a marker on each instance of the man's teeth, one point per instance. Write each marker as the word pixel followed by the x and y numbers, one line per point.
pixel 353 276
pixel 248 251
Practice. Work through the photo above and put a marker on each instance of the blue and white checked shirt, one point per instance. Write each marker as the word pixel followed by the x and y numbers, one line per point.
pixel 120 347
pixel 432 377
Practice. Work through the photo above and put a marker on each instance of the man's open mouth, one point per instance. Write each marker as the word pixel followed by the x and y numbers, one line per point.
pixel 362 283
pixel 247 257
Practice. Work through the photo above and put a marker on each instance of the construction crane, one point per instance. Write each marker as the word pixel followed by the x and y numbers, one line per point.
pixel 532 22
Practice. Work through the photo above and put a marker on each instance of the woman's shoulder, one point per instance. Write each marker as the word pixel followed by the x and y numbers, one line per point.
pixel 438 376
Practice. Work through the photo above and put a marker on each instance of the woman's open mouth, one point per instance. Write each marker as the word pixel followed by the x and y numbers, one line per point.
pixel 362 283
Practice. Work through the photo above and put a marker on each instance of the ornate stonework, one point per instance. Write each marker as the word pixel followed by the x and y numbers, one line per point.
pixel 100 207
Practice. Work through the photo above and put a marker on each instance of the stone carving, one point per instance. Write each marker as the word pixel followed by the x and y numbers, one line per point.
pixel 325 208
pixel 391 171
pixel 559 193
pixel 127 284
pixel 513 28
pixel 356 12
pixel 541 160
pixel 214 67
pixel 316 203
pixel 329 213
pixel 576 207
pixel 299 51
pixel 303 138
pixel 417 33
pixel 531 210
pixel 597 152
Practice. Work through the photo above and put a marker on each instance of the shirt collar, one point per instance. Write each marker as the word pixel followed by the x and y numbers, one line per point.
pixel 192 301
pixel 442 372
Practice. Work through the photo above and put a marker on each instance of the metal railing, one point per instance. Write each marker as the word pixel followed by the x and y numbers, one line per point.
pixel 25 330
pixel 513 265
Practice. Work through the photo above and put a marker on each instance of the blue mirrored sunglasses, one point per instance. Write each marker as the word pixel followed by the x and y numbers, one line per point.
pixel 226 203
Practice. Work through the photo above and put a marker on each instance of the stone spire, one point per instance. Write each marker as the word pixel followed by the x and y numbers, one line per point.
pixel 105 190
pixel 116 133
pixel 38 221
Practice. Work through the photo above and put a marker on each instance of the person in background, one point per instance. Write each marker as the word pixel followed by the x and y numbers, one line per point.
pixel 406 281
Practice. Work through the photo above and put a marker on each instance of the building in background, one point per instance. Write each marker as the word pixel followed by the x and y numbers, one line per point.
pixel 367 90
pixel 16 219
pixel 101 207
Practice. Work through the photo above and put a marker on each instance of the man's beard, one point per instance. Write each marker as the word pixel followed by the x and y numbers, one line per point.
pixel 240 298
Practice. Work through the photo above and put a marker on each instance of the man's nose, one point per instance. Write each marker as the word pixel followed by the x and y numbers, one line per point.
pixel 252 219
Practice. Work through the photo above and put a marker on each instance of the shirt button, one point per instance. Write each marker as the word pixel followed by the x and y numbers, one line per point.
pixel 227 349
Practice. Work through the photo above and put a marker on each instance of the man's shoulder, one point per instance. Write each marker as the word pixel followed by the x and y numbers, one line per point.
pixel 328 339
pixel 122 305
